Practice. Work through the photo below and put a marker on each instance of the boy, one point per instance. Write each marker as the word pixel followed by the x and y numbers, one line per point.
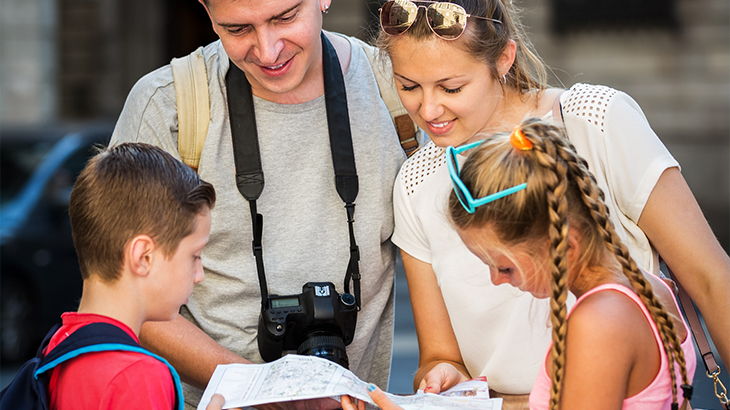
pixel 140 220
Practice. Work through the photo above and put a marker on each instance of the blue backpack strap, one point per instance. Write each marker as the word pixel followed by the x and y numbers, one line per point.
pixel 102 337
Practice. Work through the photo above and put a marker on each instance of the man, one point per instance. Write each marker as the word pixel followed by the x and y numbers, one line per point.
pixel 276 43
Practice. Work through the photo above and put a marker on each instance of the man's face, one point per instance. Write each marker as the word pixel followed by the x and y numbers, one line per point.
pixel 275 42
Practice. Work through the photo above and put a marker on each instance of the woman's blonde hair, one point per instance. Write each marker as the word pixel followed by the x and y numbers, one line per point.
pixel 486 41
pixel 560 189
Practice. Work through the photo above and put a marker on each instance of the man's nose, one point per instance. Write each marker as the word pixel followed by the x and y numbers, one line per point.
pixel 269 46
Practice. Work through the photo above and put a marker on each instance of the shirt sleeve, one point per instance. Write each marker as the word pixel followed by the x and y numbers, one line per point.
pixel 635 155
pixel 144 384
pixel 150 113
pixel 408 233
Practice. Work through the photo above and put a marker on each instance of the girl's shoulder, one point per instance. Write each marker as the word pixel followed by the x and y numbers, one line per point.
pixel 609 314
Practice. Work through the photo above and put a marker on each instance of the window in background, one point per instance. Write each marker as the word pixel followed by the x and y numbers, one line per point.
pixel 585 15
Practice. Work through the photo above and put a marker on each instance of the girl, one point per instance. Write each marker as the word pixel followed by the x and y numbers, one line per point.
pixel 464 70
pixel 540 223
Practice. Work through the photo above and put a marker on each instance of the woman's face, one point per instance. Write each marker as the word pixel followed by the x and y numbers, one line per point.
pixel 447 92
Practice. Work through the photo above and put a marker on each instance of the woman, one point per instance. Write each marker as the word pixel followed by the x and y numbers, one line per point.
pixel 465 70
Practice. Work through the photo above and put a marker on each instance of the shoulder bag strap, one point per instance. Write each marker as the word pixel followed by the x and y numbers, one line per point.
pixel 558 110
pixel 383 70
pixel 193 107
pixel 708 357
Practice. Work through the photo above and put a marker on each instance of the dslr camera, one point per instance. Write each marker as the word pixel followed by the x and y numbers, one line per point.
pixel 317 322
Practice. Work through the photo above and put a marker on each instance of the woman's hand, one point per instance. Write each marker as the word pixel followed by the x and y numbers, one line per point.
pixel 380 399
pixel 441 377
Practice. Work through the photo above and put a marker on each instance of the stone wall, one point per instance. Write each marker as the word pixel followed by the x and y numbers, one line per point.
pixel 679 77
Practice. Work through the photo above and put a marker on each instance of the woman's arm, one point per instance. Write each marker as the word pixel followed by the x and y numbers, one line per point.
pixel 676 227
pixel 436 340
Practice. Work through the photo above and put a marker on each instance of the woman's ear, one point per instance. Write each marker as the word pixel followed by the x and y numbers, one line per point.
pixel 507 58
pixel 138 255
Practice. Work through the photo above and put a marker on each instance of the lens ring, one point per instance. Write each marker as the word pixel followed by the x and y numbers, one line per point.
pixel 397 16
pixel 447 20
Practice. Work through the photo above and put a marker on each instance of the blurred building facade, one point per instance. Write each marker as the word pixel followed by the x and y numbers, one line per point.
pixel 76 60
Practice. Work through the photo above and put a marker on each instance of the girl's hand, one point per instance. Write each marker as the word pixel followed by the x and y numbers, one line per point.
pixel 442 377
pixel 380 399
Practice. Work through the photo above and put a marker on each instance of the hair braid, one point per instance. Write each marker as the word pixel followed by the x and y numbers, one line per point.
pixel 558 232
pixel 593 199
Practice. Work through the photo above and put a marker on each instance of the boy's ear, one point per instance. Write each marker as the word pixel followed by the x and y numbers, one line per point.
pixel 139 254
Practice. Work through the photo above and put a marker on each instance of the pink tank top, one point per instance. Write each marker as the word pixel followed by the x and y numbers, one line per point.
pixel 658 394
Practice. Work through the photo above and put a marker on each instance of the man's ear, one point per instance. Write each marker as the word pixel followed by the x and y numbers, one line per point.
pixel 507 58
pixel 139 254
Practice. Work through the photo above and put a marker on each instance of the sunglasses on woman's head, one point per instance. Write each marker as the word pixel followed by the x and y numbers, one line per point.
pixel 446 20
pixel 461 191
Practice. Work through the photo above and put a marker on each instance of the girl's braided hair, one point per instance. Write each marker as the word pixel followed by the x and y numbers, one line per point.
pixel 559 188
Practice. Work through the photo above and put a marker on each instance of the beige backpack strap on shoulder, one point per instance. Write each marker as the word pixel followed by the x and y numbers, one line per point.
pixel 383 70
pixel 193 106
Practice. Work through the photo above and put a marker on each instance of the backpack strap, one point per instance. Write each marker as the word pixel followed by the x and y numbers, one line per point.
pixel 102 337
pixel 383 70
pixel 193 106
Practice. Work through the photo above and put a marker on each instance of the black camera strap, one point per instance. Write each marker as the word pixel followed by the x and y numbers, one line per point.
pixel 247 156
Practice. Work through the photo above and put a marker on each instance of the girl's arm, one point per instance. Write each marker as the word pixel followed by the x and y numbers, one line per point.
pixel 437 345
pixel 676 227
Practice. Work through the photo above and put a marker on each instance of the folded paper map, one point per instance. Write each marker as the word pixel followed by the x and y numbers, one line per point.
pixel 295 377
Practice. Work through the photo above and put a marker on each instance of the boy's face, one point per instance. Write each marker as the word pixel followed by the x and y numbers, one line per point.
pixel 177 274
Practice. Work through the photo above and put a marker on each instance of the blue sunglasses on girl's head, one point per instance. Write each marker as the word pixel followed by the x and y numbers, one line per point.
pixel 465 197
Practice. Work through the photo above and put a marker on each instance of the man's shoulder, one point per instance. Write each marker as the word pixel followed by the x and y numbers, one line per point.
pixel 216 63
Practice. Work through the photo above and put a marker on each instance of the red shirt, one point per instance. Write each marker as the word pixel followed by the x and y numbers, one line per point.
pixel 108 380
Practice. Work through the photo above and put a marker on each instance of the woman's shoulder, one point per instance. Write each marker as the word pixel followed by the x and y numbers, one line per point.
pixel 422 164
pixel 593 103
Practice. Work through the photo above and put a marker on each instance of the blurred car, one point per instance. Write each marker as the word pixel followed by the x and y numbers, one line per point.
pixel 39 271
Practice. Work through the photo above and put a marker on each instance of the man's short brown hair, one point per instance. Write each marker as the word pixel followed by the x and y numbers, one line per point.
pixel 129 190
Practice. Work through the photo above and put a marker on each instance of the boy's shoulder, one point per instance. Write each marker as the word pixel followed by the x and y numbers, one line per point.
pixel 129 378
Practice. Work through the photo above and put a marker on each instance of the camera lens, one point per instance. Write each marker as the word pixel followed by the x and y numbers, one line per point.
pixel 347 299
pixel 325 345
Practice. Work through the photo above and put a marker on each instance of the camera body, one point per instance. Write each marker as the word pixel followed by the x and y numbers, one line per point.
pixel 316 322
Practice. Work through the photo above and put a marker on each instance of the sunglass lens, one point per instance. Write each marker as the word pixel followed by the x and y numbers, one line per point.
pixel 396 16
pixel 446 19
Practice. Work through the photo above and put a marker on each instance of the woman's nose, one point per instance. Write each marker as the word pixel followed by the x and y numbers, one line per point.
pixel 431 109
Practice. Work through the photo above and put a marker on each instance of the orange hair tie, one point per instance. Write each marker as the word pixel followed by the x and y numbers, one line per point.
pixel 519 141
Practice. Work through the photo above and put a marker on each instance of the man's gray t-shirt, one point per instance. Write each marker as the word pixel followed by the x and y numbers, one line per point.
pixel 305 232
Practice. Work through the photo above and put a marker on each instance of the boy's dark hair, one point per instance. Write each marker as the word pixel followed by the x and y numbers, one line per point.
pixel 128 190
